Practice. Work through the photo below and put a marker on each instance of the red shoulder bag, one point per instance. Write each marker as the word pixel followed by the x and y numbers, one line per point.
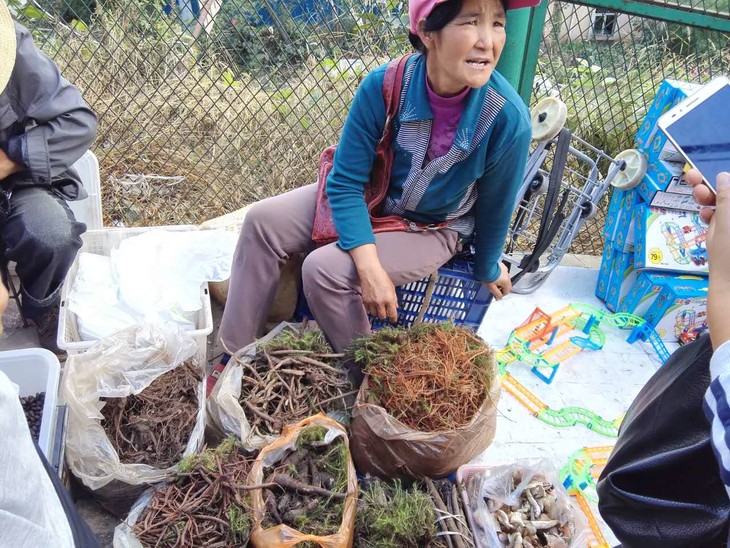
pixel 323 231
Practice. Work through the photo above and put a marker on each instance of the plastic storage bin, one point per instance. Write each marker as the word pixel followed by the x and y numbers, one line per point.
pixel 36 370
pixel 88 210
pixel 456 297
pixel 102 242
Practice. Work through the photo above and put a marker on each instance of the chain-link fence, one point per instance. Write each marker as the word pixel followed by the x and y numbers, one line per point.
pixel 207 105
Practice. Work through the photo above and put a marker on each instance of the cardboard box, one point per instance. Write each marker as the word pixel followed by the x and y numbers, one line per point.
pixel 664 174
pixel 670 200
pixel 679 307
pixel 670 240
pixel 670 93
pixel 604 273
pixel 642 295
pixel 621 279
pixel 623 236
pixel 617 197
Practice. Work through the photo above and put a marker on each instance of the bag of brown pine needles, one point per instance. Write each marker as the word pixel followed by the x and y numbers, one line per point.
pixel 428 403
pixel 136 405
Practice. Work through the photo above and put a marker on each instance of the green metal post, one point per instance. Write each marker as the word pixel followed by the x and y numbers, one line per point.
pixel 519 58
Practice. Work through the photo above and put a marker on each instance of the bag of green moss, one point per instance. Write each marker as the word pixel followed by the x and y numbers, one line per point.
pixel 426 514
pixel 428 403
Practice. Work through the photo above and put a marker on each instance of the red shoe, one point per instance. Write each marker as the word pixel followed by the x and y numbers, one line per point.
pixel 213 378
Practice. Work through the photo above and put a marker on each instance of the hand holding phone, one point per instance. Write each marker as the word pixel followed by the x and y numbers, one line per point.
pixel 699 128
pixel 718 241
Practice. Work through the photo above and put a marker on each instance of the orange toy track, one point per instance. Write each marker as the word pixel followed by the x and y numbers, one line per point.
pixel 595 538
pixel 522 394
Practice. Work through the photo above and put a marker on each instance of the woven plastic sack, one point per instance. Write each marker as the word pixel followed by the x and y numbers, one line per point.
pixel 385 447
pixel 494 483
pixel 124 536
pixel 118 366
pixel 283 536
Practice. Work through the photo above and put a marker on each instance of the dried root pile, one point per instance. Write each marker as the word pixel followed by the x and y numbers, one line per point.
pixel 535 521
pixel 306 490
pixel 431 377
pixel 390 516
pixel 204 504
pixel 154 426
pixel 291 378
pixel 449 507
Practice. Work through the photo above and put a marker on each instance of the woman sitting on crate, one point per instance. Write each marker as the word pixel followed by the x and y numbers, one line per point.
pixel 460 141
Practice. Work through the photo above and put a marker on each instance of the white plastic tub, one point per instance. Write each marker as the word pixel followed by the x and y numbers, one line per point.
pixel 36 370
pixel 88 210
pixel 101 242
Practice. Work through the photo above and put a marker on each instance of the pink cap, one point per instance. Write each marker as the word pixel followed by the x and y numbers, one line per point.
pixel 420 9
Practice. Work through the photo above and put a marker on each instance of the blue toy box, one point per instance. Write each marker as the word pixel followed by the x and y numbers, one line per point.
pixel 604 273
pixel 670 240
pixel 678 308
pixel 671 92
pixel 622 277
pixel 623 232
pixel 646 288
pixel 614 206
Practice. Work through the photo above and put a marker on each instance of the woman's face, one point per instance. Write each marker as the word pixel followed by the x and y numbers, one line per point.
pixel 465 52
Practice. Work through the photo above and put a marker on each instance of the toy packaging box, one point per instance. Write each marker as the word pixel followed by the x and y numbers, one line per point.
pixel 679 308
pixel 669 200
pixel 670 93
pixel 604 273
pixel 642 295
pixel 622 277
pixel 613 207
pixel 662 176
pixel 670 240
pixel 623 231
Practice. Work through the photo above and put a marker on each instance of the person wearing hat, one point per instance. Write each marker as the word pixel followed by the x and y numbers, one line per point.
pixel 461 141
pixel 45 126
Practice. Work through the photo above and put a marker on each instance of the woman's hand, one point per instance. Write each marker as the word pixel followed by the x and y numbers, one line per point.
pixel 378 291
pixel 718 241
pixel 502 285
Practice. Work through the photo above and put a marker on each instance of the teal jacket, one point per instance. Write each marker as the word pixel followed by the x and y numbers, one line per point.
pixel 473 186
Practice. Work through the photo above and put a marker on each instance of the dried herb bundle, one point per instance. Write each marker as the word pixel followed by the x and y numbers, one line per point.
pixel 154 426
pixel 291 378
pixel 452 516
pixel 204 504
pixel 431 377
pixel 307 488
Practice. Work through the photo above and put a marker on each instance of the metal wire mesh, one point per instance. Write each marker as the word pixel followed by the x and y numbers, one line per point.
pixel 205 107
pixel 606 66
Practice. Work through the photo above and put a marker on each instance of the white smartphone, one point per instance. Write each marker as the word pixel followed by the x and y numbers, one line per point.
pixel 699 127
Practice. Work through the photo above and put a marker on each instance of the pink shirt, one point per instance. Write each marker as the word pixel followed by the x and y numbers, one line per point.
pixel 446 116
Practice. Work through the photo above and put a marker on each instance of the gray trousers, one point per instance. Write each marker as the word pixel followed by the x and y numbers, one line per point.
pixel 42 236
pixel 280 227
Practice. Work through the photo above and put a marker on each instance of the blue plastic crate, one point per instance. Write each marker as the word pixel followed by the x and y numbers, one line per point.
pixel 456 297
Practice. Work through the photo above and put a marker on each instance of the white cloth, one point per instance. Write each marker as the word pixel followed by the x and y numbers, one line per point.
pixel 31 514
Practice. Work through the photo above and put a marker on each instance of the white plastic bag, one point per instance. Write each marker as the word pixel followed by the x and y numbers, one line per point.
pixel 118 366
pixel 496 482
pixel 224 408
pixel 124 536
pixel 154 277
